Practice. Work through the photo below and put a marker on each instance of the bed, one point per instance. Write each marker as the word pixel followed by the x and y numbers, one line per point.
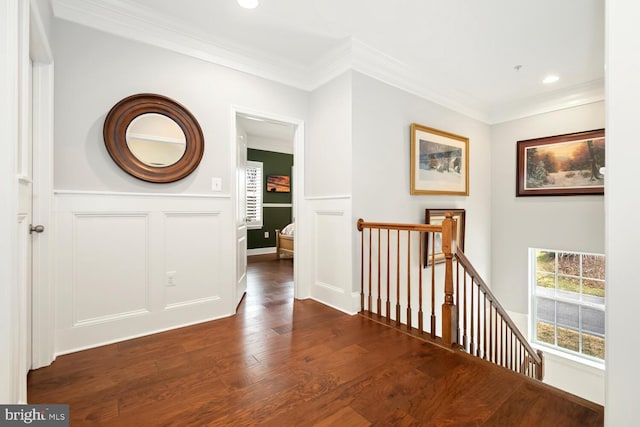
pixel 284 242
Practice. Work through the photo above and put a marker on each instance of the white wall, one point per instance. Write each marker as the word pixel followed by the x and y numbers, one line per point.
pixel 573 223
pixel 44 14
pixel 270 144
pixel 382 116
pixel 328 150
pixel 622 202
pixel 518 223
pixel 94 70
pixel 117 237
pixel 328 194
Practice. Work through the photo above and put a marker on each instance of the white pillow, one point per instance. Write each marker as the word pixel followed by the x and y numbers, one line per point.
pixel 289 229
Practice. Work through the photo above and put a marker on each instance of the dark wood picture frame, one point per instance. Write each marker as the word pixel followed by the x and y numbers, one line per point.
pixel 435 216
pixel 561 165
pixel 124 112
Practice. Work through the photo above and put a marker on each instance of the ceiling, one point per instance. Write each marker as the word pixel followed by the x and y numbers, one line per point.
pixel 459 53
pixel 269 129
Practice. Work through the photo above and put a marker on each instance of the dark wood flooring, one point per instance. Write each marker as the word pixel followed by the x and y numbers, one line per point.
pixel 285 363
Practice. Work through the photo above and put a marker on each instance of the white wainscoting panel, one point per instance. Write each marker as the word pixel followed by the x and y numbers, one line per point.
pixel 113 252
pixel 192 251
pixel 110 258
pixel 331 261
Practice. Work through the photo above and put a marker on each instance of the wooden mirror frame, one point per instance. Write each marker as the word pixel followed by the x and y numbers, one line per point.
pixel 115 130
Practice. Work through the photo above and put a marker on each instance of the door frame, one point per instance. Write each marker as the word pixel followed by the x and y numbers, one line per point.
pixel 300 289
pixel 43 283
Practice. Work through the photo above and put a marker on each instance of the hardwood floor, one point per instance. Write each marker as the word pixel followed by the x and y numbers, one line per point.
pixel 282 363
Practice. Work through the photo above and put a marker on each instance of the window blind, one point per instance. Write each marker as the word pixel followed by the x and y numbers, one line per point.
pixel 254 194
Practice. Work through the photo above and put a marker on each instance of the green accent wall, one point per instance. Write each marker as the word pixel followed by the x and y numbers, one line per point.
pixel 273 218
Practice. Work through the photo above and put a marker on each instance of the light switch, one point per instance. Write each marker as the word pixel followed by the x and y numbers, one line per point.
pixel 216 183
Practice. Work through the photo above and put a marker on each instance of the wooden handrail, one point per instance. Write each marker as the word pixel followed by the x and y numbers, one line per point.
pixel 513 351
pixel 427 228
pixel 464 261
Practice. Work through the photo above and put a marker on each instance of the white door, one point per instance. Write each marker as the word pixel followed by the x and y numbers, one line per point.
pixel 241 218
pixel 25 203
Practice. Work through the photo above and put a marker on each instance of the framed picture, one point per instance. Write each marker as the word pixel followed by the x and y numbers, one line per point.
pixel 439 162
pixel 278 184
pixel 562 165
pixel 435 217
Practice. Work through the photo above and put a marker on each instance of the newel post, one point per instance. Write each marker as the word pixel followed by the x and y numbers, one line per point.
pixel 449 312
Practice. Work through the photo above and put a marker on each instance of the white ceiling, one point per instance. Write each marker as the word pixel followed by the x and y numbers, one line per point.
pixel 269 129
pixel 459 53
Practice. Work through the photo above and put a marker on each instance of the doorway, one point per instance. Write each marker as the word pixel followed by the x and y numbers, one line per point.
pixel 264 142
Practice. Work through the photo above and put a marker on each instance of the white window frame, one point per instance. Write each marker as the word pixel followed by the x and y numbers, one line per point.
pixel 555 348
pixel 254 219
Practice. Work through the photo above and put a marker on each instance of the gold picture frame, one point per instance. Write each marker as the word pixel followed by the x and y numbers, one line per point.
pixel 439 162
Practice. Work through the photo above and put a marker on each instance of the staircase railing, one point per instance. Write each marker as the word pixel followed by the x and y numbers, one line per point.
pixel 396 273
pixel 486 330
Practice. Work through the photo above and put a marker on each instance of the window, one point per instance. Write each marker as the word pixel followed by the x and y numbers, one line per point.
pixel 568 302
pixel 254 194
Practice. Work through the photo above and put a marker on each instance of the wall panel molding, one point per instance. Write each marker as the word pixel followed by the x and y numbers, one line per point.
pixel 113 253
pixel 330 261
pixel 183 304
pixel 102 243
pixel 75 193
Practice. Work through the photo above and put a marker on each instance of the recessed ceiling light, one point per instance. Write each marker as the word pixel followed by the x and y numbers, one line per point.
pixel 550 79
pixel 248 4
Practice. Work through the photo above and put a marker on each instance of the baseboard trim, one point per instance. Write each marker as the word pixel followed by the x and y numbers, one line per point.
pixel 142 334
pixel 261 251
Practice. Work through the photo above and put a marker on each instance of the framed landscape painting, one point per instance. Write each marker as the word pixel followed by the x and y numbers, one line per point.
pixel 439 162
pixel 435 217
pixel 562 165
pixel 278 184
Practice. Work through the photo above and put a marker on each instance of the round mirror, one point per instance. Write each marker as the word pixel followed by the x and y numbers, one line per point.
pixel 153 138
pixel 156 140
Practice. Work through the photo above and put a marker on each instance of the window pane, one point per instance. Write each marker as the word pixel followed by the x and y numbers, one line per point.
pixel 593 346
pixel 568 290
pixel 569 287
pixel 567 315
pixel 545 309
pixel 594 288
pixel 593 266
pixel 546 280
pixel 592 320
pixel 569 263
pixel 568 339
pixel 545 333
pixel 546 261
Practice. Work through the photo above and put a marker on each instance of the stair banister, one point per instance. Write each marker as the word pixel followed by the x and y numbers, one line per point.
pixel 449 312
pixel 536 356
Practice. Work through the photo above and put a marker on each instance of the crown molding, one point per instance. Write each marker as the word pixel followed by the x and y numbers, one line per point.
pixel 144 25
pixel 147 26
pixel 388 69
pixel 572 96
pixel 332 64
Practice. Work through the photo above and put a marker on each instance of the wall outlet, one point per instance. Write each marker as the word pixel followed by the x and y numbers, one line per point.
pixel 266 234
pixel 171 278
pixel 216 184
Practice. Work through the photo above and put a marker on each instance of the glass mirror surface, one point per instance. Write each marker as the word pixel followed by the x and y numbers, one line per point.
pixel 156 140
